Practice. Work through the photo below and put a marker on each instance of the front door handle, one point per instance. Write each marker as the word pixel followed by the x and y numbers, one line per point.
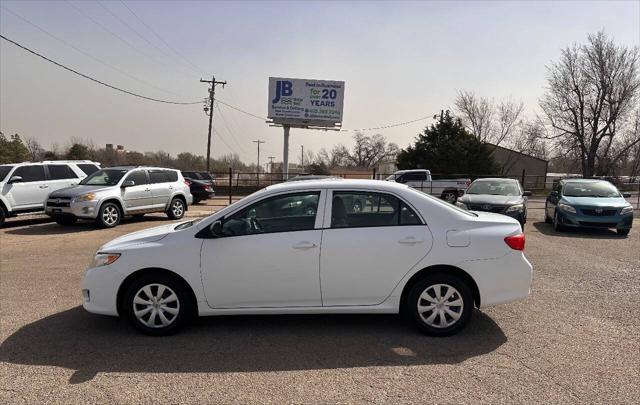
pixel 44 186
pixel 147 189
pixel 410 240
pixel 304 245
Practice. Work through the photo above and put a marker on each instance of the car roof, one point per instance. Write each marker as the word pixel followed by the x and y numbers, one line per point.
pixel 582 180
pixel 139 167
pixel 338 183
pixel 50 162
pixel 495 179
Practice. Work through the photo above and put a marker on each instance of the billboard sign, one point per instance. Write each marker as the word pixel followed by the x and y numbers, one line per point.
pixel 301 102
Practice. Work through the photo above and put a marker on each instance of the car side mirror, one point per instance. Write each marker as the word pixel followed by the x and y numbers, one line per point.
pixel 527 193
pixel 626 195
pixel 15 179
pixel 128 183
pixel 553 194
pixel 216 229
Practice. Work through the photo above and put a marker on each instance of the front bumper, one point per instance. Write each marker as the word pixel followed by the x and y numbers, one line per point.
pixel 84 209
pixel 100 290
pixel 579 220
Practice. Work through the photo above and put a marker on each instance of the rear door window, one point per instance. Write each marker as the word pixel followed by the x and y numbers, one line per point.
pixel 30 173
pixel 171 175
pixel 158 176
pixel 61 172
pixel 364 209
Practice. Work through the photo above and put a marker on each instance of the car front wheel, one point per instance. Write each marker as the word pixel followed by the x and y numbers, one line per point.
pixel 109 215
pixel 176 209
pixel 157 304
pixel 557 226
pixel 440 304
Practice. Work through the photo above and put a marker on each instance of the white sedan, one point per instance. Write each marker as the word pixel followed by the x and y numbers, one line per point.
pixel 310 247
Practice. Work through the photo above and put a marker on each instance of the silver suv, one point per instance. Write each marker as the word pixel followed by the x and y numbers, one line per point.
pixel 25 186
pixel 110 194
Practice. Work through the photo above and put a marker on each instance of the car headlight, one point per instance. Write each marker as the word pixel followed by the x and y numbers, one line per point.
pixel 626 210
pixel 104 259
pixel 515 208
pixel 85 197
pixel 566 207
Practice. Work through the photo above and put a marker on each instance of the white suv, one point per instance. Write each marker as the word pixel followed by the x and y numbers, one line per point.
pixel 25 186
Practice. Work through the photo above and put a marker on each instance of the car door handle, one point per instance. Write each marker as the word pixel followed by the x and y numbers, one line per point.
pixel 410 240
pixel 44 186
pixel 304 245
pixel 147 189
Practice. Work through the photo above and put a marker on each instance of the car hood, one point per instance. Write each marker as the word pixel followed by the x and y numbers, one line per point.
pixel 618 202
pixel 77 190
pixel 140 237
pixel 490 199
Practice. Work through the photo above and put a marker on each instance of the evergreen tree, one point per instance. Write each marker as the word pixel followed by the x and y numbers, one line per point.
pixel 448 148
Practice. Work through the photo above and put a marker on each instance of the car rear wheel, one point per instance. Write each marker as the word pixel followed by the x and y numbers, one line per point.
pixel 109 215
pixel 440 304
pixel 623 232
pixel 176 209
pixel 157 305
pixel 66 220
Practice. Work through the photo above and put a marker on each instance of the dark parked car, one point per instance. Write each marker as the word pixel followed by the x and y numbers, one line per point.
pixel 583 203
pixel 502 196
pixel 201 185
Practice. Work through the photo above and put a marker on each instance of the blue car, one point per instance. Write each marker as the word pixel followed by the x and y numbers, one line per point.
pixel 583 203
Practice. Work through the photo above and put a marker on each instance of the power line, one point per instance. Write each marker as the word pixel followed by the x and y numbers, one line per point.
pixel 126 24
pixel 88 54
pixel 96 80
pixel 399 124
pixel 160 38
pixel 240 110
pixel 226 125
pixel 113 34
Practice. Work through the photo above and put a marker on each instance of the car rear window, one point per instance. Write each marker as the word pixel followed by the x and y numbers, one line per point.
pixel 171 175
pixel 88 168
pixel 61 172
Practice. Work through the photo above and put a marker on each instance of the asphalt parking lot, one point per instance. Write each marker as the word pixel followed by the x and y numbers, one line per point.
pixel 576 339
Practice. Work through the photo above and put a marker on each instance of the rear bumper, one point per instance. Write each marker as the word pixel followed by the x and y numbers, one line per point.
pixel 501 280
pixel 589 221
pixel 203 195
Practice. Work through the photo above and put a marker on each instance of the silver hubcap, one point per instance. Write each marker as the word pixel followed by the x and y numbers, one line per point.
pixel 110 215
pixel 177 208
pixel 440 305
pixel 156 305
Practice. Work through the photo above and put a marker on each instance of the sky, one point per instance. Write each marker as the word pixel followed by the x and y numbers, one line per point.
pixel 400 61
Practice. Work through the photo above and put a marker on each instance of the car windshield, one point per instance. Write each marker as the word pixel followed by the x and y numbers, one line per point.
pixel 4 170
pixel 601 189
pixel 106 177
pixel 494 188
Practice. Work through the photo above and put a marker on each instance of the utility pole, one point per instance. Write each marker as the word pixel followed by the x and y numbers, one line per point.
pixel 302 157
pixel 258 142
pixel 209 108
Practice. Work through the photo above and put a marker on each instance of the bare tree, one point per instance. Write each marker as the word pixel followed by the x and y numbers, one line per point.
pixel 35 149
pixel 489 122
pixel 369 151
pixel 591 92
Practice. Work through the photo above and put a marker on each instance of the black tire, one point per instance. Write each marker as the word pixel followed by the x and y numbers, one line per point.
pixel 623 232
pixel 557 226
pixel 176 209
pixel 547 218
pixel 3 215
pixel 66 220
pixel 449 197
pixel 428 285
pixel 109 215
pixel 182 308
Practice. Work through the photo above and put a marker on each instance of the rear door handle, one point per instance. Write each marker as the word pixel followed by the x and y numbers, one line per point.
pixel 44 186
pixel 304 245
pixel 410 240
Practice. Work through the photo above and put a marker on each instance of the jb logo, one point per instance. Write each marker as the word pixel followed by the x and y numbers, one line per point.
pixel 284 88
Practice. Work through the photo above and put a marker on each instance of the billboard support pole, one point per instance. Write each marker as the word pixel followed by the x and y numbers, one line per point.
pixel 285 154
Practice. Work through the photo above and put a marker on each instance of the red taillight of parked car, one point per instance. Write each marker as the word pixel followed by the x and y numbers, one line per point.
pixel 515 242
pixel 187 182
pixel 207 188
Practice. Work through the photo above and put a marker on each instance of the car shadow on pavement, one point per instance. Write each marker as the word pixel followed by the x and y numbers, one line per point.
pixel 90 344
pixel 53 228
pixel 587 233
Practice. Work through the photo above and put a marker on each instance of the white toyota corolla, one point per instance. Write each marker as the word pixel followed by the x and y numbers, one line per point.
pixel 310 247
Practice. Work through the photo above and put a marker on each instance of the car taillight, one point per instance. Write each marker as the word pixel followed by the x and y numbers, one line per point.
pixel 207 188
pixel 515 242
pixel 187 182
